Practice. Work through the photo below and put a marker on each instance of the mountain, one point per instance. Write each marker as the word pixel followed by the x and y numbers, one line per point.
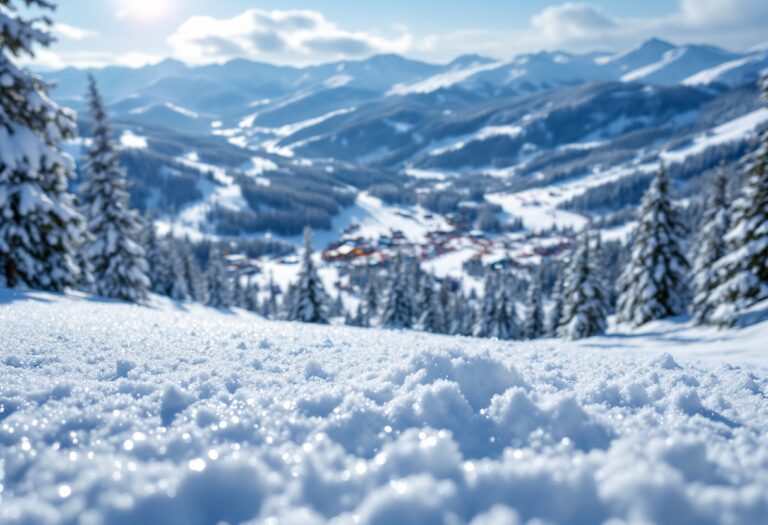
pixel 244 148
pixel 679 63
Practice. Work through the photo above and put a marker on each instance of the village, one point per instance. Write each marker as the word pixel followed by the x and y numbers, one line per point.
pixel 447 246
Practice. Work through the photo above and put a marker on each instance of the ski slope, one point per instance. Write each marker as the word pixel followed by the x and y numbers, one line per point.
pixel 178 414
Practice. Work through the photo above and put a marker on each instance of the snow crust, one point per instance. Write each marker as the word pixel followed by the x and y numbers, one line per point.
pixel 177 414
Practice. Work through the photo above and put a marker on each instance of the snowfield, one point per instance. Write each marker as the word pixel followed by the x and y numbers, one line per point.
pixel 178 414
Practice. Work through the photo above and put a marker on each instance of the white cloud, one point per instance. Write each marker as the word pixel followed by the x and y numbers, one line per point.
pixel 294 36
pixel 723 13
pixel 578 26
pixel 572 21
pixel 68 32
pixel 46 59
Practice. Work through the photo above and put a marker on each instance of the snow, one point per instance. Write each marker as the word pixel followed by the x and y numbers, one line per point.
pixel 444 80
pixel 192 219
pixel 717 73
pixel 182 111
pixel 482 135
pixel 425 174
pixel 259 165
pixel 732 131
pixel 175 413
pixel 132 141
pixel 667 59
pixel 536 215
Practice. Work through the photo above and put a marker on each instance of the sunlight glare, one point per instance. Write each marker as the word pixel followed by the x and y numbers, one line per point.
pixel 144 10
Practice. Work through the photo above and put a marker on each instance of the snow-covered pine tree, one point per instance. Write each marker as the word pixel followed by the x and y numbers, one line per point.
pixel 710 248
pixel 238 291
pixel 488 304
pixel 337 307
pixel 252 292
pixel 220 286
pixel 653 284
pixel 504 323
pixel 168 277
pixel 196 283
pixel 398 308
pixel 432 318
pixel 743 272
pixel 40 226
pixel 584 311
pixel 534 315
pixel 269 308
pixel 556 309
pixel 498 316
pixel 153 254
pixel 175 277
pixel 446 293
pixel 466 320
pixel 309 300
pixel 464 314
pixel 424 295
pixel 371 297
pixel 117 258
pixel 456 314
pixel 361 318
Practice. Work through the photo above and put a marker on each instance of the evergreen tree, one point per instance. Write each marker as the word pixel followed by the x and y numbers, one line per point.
pixel 556 310
pixel 309 299
pixel 361 317
pixel 464 317
pixel 398 309
pixel 710 247
pixel 425 294
pixel 467 319
pixel 40 226
pixel 196 283
pixel 153 254
pixel 114 252
pixel 432 314
pixel 743 272
pixel 220 286
pixel 584 312
pixel 371 298
pixel 252 292
pixel 534 314
pixel 168 276
pixel 458 320
pixel 488 306
pixel 175 277
pixel 238 291
pixel 270 308
pixel 499 316
pixel 653 284
pixel 337 307
pixel 504 323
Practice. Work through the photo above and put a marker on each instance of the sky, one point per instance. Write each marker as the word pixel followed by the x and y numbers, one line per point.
pixel 95 33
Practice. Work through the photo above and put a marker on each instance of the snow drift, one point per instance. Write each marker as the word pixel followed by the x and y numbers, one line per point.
pixel 177 414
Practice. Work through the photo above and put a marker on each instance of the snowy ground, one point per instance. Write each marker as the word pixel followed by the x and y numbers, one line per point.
pixel 172 414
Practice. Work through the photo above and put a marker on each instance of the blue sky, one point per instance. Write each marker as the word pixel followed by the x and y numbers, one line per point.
pixel 101 32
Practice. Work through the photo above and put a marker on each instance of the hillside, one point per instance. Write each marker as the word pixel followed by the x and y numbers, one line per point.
pixel 367 151
pixel 174 413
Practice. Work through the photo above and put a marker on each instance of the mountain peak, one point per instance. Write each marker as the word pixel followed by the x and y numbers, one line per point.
pixel 657 44
pixel 468 60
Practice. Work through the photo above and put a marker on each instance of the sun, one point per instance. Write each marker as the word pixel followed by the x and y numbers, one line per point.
pixel 144 10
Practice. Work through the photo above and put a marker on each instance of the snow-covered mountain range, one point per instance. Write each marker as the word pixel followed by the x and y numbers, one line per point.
pixel 557 124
